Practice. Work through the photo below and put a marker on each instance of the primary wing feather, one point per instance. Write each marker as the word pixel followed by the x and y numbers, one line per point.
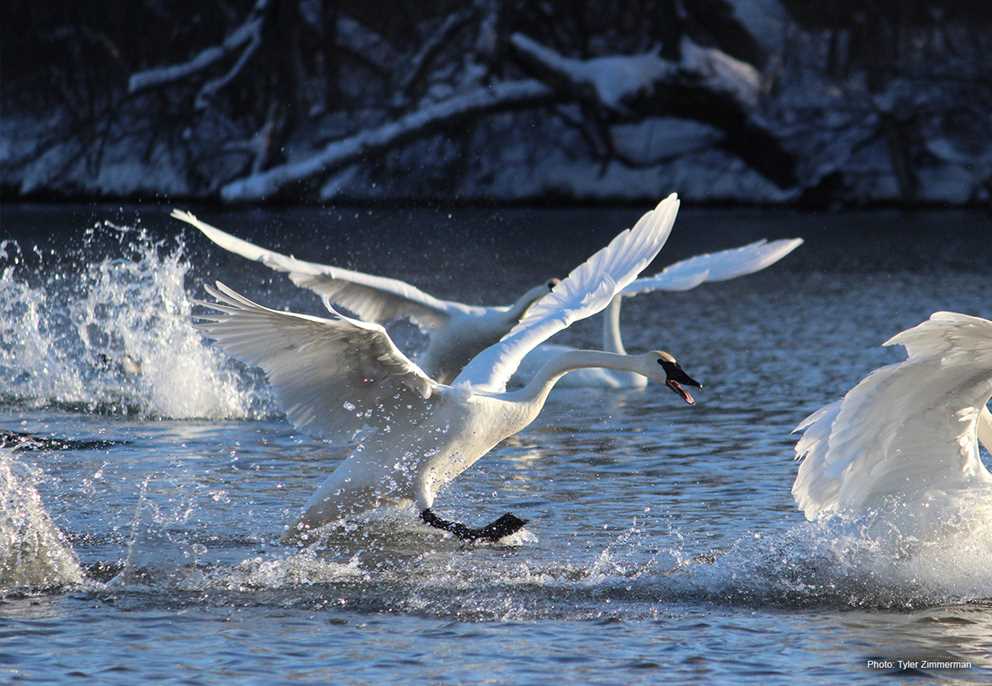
pixel 331 376
pixel 373 298
pixel 717 266
pixel 587 290
pixel 906 428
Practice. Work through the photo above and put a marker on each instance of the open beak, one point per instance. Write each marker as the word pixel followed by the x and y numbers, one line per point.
pixel 677 380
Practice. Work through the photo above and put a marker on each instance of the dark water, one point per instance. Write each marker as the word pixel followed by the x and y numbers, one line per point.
pixel 664 541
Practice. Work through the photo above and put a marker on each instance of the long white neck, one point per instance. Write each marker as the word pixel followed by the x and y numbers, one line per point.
pixel 512 314
pixel 612 340
pixel 985 429
pixel 537 390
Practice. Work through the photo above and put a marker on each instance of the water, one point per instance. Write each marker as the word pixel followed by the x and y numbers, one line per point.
pixel 664 542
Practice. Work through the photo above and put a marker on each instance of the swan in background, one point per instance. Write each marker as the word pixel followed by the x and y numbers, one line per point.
pixel 681 276
pixel 907 435
pixel 456 331
pixel 337 375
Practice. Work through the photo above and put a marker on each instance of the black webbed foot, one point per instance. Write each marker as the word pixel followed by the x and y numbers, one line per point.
pixel 504 526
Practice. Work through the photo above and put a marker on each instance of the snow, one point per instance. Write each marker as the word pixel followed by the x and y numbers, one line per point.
pixel 349 149
pixel 430 101
pixel 663 138
pixel 721 72
pixel 613 79
pixel 249 31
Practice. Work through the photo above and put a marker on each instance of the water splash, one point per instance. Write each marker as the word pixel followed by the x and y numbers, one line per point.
pixel 113 336
pixel 838 564
pixel 34 554
pixel 880 559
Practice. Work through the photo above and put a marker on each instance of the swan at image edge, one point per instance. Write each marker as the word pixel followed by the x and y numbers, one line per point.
pixel 338 375
pixel 680 276
pixel 908 430
pixel 456 331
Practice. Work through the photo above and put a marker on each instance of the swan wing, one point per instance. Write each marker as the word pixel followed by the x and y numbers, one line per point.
pixel 331 376
pixel 907 428
pixel 715 266
pixel 588 289
pixel 373 298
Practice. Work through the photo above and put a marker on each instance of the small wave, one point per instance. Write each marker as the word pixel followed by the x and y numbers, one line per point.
pixel 113 336
pixel 33 552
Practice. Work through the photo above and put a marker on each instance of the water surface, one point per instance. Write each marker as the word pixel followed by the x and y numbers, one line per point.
pixel 664 541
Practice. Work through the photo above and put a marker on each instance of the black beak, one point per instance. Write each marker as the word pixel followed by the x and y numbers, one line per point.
pixel 676 379
pixel 552 283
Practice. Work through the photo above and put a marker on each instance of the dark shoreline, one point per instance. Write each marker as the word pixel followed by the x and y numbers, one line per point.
pixel 479 202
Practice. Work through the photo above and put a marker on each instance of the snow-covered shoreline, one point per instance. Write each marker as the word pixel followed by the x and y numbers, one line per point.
pixel 748 102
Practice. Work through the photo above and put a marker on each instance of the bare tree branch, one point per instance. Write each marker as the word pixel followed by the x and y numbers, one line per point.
pixel 160 76
pixel 433 117
pixel 705 85
pixel 214 85
pixel 432 46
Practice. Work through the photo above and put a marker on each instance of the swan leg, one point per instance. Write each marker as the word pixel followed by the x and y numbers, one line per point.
pixel 504 526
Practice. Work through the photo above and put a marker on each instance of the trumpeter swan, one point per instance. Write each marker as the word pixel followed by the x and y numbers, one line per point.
pixel 680 276
pixel 456 331
pixel 339 375
pixel 908 433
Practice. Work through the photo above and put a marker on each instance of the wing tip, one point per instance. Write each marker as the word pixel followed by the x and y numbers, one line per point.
pixel 183 215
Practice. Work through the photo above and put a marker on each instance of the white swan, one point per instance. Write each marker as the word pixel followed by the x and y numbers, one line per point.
pixel 456 331
pixel 680 276
pixel 908 433
pixel 338 374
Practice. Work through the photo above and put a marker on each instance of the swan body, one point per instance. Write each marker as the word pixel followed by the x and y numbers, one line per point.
pixel 456 331
pixel 680 276
pixel 340 376
pixel 909 432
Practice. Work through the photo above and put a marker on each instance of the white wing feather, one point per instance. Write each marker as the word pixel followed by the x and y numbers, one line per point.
pixel 718 266
pixel 331 376
pixel 587 290
pixel 907 428
pixel 373 298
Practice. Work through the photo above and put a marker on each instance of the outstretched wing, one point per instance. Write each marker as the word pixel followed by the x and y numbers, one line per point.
pixel 373 298
pixel 587 290
pixel 906 428
pixel 331 376
pixel 716 266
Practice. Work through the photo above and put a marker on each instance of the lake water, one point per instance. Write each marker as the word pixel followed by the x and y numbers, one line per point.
pixel 664 544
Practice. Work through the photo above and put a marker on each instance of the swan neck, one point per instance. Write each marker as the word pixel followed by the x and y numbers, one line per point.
pixel 515 312
pixel 612 340
pixel 540 386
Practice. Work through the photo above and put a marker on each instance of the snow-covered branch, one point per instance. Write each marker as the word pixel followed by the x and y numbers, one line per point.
pixel 211 87
pixel 366 44
pixel 705 85
pixel 502 96
pixel 610 81
pixel 437 39
pixel 719 72
pixel 248 32
pixel 616 80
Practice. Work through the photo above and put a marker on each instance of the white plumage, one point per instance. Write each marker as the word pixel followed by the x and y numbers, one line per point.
pixel 680 276
pixel 339 375
pixel 908 432
pixel 457 331
pixel 577 297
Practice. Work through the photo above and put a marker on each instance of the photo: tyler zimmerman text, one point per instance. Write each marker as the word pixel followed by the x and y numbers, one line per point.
pixel 903 664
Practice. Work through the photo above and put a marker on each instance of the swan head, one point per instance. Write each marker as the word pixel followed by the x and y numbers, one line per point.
pixel 662 367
